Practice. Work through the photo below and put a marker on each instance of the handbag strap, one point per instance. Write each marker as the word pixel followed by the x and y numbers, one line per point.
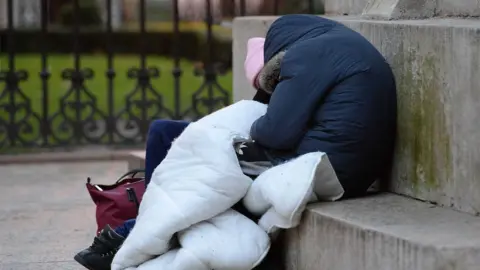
pixel 131 173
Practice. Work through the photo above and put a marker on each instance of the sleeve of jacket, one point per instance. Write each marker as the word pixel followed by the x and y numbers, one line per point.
pixel 262 97
pixel 304 83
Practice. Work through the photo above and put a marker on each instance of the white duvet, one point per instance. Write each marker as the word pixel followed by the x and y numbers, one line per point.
pixel 185 221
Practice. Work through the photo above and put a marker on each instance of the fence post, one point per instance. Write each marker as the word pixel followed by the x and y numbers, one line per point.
pixel 110 73
pixel 144 76
pixel 44 73
pixel 210 75
pixel 10 76
pixel 177 71
pixel 77 78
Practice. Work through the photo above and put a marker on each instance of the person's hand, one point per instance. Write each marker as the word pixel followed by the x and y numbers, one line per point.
pixel 250 151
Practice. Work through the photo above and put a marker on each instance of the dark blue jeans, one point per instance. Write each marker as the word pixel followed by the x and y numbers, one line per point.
pixel 159 140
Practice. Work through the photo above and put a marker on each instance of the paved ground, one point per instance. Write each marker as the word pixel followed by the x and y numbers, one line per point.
pixel 46 214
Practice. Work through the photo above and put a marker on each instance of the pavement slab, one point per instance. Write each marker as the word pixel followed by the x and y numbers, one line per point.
pixel 46 214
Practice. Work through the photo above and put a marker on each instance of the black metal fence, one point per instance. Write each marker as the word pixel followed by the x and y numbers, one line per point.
pixel 38 112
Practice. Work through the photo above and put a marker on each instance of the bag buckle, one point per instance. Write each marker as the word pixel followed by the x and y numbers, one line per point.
pixel 132 197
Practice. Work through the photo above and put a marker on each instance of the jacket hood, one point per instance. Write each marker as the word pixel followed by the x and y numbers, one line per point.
pixel 269 75
pixel 289 29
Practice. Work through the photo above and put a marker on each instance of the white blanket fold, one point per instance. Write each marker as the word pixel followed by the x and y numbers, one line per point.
pixel 221 238
pixel 280 194
pixel 193 189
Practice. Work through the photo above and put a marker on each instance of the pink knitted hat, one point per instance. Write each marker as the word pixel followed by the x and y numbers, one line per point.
pixel 254 59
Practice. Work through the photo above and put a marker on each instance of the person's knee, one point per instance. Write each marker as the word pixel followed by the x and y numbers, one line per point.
pixel 167 126
pixel 165 131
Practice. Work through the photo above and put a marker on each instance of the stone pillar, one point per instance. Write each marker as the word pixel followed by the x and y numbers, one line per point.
pixel 117 12
pixel 27 13
pixel 400 9
pixel 243 29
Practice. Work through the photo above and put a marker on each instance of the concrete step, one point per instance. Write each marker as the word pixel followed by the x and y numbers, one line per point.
pixel 383 232
pixel 380 232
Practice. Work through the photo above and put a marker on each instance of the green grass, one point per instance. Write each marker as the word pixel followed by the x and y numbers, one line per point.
pixel 201 28
pixel 98 85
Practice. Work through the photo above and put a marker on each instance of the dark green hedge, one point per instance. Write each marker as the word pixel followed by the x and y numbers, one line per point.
pixel 88 14
pixel 191 45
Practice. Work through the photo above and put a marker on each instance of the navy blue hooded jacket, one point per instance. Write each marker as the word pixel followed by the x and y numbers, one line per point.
pixel 336 94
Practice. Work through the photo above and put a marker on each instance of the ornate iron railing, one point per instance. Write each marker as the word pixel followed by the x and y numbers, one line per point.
pixel 82 114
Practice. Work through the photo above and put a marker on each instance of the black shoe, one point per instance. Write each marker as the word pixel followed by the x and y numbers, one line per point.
pixel 99 255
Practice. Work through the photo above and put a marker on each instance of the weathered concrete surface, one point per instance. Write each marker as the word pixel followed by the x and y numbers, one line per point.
pixel 46 214
pixel 436 64
pixel 243 29
pixel 418 9
pixel 458 8
pixel 344 7
pixel 383 232
pixel 400 9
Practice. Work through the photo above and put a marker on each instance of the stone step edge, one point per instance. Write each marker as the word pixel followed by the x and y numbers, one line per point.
pixel 385 232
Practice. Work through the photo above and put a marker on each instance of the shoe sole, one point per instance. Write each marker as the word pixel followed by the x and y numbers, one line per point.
pixel 81 261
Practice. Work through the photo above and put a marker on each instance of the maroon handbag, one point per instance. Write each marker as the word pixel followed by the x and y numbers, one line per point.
pixel 119 202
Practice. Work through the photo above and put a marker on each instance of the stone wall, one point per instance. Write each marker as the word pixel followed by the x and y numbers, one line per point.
pixel 415 9
pixel 436 64
pixel 463 8
pixel 344 7
pixel 406 8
